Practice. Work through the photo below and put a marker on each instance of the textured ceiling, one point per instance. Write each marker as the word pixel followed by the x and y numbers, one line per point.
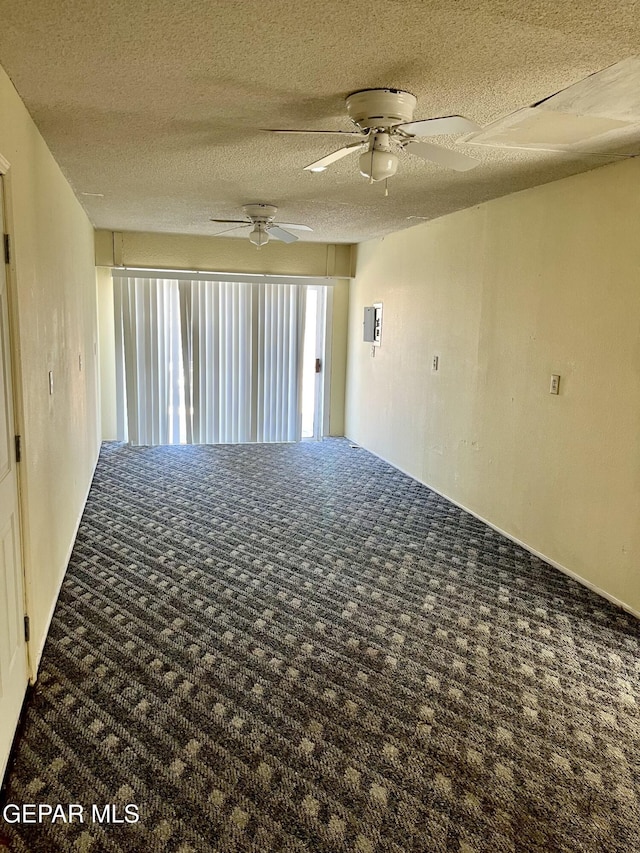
pixel 158 105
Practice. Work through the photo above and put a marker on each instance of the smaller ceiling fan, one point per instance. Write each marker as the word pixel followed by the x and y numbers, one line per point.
pixel 384 122
pixel 261 218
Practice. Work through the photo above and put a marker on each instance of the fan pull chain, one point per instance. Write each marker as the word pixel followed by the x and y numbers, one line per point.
pixel 386 187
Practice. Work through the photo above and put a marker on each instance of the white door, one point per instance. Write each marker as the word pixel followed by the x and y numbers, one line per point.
pixel 13 649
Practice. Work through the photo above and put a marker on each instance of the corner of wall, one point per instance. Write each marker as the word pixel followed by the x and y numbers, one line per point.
pixel 103 242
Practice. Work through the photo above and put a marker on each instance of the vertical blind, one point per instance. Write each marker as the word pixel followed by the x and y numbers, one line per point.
pixel 208 362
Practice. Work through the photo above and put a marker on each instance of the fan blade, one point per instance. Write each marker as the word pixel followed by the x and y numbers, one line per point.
pixel 439 126
pixel 442 156
pixel 293 225
pixel 342 132
pixel 281 234
pixel 231 221
pixel 321 165
pixel 235 228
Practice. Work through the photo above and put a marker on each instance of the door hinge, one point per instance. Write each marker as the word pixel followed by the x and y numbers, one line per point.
pixel 27 629
pixel 7 249
pixel 18 448
pixel 318 365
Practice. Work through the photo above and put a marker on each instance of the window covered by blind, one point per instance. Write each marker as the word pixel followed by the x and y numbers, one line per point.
pixel 208 362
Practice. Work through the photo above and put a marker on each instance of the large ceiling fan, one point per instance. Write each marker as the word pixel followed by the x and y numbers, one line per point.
pixel 261 220
pixel 384 124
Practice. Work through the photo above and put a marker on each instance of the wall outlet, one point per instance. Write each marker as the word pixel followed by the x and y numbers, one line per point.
pixel 51 382
pixel 435 363
pixel 554 385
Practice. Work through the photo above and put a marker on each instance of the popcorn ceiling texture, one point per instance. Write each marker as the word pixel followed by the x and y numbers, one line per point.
pixel 159 106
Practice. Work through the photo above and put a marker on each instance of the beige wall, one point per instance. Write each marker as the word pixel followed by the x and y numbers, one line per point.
pixel 220 254
pixel 542 282
pixel 107 354
pixel 54 308
pixel 338 357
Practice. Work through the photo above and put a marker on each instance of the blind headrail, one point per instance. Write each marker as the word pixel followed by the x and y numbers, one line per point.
pixel 199 275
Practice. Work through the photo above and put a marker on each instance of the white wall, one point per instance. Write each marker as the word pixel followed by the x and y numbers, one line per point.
pixel 54 311
pixel 545 281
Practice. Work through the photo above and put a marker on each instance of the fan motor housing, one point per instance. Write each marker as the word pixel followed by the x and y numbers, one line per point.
pixel 373 108
pixel 260 212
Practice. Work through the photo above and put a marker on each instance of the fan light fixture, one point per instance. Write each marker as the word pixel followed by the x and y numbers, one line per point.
pixel 259 235
pixel 383 126
pixel 260 217
pixel 379 163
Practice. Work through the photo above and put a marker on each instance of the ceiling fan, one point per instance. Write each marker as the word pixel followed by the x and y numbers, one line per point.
pixel 260 219
pixel 384 124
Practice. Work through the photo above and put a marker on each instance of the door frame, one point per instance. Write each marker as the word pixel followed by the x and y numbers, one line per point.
pixel 323 338
pixel 16 389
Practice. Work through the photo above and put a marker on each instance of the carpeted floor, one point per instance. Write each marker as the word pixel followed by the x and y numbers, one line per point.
pixel 298 648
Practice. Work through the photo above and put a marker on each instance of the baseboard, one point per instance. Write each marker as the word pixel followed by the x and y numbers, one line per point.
pixel 34 659
pixel 565 571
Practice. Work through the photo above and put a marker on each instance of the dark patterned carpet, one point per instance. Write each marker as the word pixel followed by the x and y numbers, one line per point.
pixel 298 648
